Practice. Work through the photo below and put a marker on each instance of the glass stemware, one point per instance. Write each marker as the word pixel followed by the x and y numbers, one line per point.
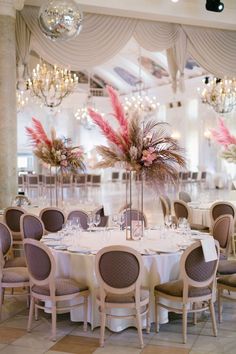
pixel 97 219
pixel 90 221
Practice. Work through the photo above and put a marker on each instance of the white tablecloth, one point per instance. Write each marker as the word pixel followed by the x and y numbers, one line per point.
pixel 200 213
pixel 158 268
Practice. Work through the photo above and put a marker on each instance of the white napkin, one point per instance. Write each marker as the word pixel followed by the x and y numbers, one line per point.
pixel 209 250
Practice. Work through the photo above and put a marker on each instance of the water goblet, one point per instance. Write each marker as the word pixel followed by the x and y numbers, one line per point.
pixel 115 219
pixel 97 219
pixel 90 221
pixel 168 221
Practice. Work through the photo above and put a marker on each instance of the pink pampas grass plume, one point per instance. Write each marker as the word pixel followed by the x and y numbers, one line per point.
pixel 222 134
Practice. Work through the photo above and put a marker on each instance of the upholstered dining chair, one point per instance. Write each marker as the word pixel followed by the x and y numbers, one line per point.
pixel 31 226
pixel 184 196
pixel 11 218
pixel 196 284
pixel 52 218
pixel 6 247
pixel 11 278
pixel 182 210
pixel 133 214
pixel 222 231
pixel 44 286
pixel 82 215
pixel 164 206
pixel 222 208
pixel 225 282
pixel 119 271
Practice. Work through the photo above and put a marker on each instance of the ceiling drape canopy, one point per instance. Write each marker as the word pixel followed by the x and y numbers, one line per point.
pixel 103 36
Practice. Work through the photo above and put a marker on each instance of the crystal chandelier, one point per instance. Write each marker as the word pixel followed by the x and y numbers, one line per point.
pixel 83 116
pixel 51 85
pixel 220 94
pixel 141 102
pixel 21 100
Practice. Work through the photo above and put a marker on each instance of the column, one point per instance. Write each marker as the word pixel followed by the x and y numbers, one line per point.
pixel 8 122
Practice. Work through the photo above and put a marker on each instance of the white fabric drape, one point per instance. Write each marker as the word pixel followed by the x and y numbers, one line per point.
pixel 104 36
pixel 23 37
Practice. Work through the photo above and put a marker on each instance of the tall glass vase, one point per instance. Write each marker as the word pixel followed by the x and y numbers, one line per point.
pixel 134 223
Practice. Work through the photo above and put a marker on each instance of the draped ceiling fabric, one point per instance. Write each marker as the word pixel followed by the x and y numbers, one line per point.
pixel 103 36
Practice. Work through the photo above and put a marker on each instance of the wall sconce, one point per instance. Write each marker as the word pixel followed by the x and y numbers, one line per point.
pixel 176 135
pixel 207 134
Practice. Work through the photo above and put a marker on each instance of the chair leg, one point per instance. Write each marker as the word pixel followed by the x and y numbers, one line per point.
pixel 233 245
pixel 148 326
pixel 54 321
pixel 36 311
pixel 3 293
pixel 219 305
pixel 103 325
pixel 139 327
pixel 85 327
pixel 31 312
pixel 156 314
pixel 194 314
pixel 213 317
pixel 1 301
pixel 184 325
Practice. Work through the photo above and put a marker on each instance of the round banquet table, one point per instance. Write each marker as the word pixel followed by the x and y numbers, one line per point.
pixel 160 254
pixel 200 213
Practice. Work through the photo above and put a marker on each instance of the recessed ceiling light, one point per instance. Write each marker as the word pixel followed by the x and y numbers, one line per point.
pixel 174 0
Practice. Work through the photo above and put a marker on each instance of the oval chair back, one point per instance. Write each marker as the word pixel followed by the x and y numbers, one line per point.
pixel 83 218
pixel 31 227
pixel 5 239
pixel 52 218
pixel 11 218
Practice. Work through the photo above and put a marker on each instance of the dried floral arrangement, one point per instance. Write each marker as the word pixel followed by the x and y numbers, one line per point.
pixel 55 151
pixel 223 137
pixel 144 147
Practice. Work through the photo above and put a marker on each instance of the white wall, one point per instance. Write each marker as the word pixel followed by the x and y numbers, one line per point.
pixel 189 121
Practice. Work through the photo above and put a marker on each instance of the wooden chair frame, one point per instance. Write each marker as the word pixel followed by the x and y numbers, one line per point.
pixel 206 300
pixel 53 298
pixel 105 289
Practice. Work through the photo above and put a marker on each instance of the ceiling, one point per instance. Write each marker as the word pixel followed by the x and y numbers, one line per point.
pixel 189 12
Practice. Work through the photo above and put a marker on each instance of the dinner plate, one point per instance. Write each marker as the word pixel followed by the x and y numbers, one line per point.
pixel 79 249
pixel 164 250
pixel 200 237
pixel 61 248
pixel 50 237
pixel 52 243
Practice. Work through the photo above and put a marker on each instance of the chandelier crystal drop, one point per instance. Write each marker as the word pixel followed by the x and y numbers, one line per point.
pixel 60 19
pixel 147 105
pixel 51 85
pixel 21 100
pixel 220 94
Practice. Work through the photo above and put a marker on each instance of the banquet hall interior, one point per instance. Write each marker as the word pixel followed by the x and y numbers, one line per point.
pixel 118 178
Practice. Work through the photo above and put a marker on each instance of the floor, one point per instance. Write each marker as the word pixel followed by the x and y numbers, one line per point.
pixel 70 336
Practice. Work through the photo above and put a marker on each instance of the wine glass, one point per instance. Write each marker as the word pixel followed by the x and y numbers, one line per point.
pixel 90 221
pixel 168 221
pixel 97 219
pixel 76 223
pixel 121 220
pixel 115 219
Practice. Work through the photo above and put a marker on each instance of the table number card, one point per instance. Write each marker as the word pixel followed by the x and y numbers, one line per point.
pixel 137 226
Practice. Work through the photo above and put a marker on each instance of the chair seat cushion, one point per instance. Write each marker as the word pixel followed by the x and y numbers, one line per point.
pixel 228 280
pixel 15 275
pixel 226 267
pixel 175 288
pixel 124 299
pixel 15 262
pixel 64 286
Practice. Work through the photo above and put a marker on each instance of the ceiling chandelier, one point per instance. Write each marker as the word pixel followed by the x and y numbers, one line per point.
pixel 60 19
pixel 220 94
pixel 83 116
pixel 21 100
pixel 51 85
pixel 141 102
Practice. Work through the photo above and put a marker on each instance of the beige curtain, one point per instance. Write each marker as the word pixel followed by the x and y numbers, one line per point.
pixel 23 39
pixel 104 36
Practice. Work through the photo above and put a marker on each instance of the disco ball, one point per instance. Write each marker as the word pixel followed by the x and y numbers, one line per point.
pixel 60 19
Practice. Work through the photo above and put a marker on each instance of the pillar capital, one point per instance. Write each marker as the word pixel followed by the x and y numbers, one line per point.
pixel 9 7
